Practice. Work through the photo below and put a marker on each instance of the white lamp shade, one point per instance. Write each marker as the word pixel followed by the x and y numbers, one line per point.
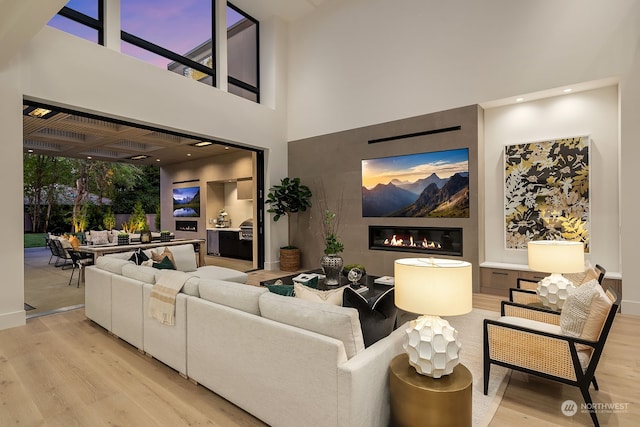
pixel 556 256
pixel 440 287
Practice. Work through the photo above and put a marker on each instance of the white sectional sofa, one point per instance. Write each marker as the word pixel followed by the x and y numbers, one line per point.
pixel 287 361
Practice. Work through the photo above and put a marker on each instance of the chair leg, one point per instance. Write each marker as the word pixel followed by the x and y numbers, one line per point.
pixel 487 369
pixel 71 278
pixel 587 399
pixel 595 383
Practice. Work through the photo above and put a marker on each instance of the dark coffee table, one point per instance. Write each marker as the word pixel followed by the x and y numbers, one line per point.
pixel 374 290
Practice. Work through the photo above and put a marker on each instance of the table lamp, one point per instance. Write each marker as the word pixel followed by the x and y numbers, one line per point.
pixel 433 287
pixel 555 257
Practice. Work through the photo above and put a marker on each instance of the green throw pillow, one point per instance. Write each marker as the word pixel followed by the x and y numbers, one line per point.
pixel 165 264
pixel 286 290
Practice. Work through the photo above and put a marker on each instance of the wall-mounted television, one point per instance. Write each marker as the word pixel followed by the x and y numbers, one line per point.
pixel 422 185
pixel 186 202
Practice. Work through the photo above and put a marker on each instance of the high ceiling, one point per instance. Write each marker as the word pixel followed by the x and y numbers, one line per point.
pixel 75 136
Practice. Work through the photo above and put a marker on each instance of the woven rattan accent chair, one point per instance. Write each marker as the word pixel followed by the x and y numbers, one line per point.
pixel 530 339
pixel 526 293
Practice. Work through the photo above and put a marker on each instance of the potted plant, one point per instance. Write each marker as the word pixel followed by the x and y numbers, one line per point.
pixel 145 233
pixel 285 199
pixel 123 238
pixel 331 262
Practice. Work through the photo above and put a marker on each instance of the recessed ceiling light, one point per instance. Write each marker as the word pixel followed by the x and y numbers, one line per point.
pixel 226 148
pixel 202 143
pixel 89 157
pixel 567 90
pixel 29 151
pixel 138 157
pixel 39 112
pixel 157 160
pixel 519 99
pixel 188 154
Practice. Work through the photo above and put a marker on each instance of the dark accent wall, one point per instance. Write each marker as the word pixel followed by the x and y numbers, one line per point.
pixel 331 166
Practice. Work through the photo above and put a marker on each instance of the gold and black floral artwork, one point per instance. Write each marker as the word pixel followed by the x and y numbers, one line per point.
pixel 547 191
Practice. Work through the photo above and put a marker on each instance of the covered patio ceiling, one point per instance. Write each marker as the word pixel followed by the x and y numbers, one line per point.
pixel 65 134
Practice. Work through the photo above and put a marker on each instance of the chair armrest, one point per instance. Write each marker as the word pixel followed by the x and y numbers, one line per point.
pixel 523 296
pixel 528 312
pixel 528 284
pixel 538 351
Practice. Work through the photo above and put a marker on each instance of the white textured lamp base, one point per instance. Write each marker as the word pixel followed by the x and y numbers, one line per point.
pixel 432 346
pixel 553 291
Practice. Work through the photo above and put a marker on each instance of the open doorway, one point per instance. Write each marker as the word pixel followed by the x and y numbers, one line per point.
pixel 61 132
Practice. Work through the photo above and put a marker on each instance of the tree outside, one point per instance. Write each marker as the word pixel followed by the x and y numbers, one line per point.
pixel 69 195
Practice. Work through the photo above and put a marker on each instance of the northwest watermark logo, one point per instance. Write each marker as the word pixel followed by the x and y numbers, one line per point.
pixel 569 407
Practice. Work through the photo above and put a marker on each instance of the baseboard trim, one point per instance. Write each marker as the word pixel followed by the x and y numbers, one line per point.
pixel 630 307
pixel 13 319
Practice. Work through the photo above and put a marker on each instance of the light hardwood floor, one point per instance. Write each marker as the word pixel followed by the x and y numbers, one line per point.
pixel 64 370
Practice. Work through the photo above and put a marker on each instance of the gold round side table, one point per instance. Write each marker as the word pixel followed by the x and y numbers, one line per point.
pixel 419 400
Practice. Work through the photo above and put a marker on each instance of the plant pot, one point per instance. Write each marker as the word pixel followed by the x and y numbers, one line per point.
pixel 123 240
pixel 331 266
pixel 289 259
pixel 145 237
pixel 165 237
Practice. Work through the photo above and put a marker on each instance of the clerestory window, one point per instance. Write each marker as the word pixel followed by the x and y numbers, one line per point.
pixel 177 36
pixel 82 18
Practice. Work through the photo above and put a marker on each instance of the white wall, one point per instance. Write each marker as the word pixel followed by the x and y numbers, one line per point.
pixel 593 113
pixel 356 63
pixel 64 70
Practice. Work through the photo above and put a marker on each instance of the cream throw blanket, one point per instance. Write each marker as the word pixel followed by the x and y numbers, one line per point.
pixel 162 301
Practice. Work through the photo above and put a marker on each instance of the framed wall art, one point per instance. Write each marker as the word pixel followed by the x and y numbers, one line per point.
pixel 547 191
pixel 434 184
pixel 186 202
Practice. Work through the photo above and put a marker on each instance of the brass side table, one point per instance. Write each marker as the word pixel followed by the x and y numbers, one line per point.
pixel 419 400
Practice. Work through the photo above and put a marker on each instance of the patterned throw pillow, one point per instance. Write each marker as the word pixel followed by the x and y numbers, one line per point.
pixel 377 315
pixel 100 237
pixel 138 257
pixel 575 310
pixel 333 296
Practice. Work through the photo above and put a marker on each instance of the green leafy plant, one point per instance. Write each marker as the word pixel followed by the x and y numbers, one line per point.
pixel 109 220
pixel 288 198
pixel 332 243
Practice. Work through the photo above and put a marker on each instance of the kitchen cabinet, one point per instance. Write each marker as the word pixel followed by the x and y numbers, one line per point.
pixel 231 246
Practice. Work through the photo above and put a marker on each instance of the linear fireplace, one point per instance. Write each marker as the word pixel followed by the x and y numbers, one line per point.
pixel 427 240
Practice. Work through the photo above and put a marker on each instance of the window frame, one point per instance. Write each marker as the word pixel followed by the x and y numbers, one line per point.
pixel 236 82
pixel 86 20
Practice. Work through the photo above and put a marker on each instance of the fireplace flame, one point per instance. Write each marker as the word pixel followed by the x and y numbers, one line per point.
pixel 399 241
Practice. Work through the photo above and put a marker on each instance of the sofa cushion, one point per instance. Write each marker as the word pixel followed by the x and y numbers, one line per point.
pixel 232 294
pixel 332 296
pixel 377 315
pixel 111 264
pixel 191 286
pixel 222 273
pixel 140 272
pixel 184 257
pixel 99 237
pixel 341 323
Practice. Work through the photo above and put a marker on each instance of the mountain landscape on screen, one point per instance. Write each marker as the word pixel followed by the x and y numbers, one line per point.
pixel 414 185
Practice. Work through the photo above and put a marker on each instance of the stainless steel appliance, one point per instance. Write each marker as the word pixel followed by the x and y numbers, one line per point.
pixel 246 229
